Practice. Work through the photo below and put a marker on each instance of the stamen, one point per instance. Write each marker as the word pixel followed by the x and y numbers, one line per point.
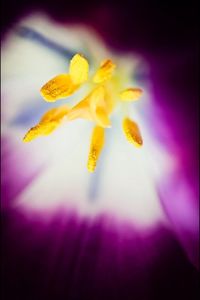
pixel 97 106
pixel 104 72
pixel 78 69
pixel 132 132
pixel 102 117
pixel 48 123
pixel 39 130
pixel 96 146
pixel 131 94
pixel 58 87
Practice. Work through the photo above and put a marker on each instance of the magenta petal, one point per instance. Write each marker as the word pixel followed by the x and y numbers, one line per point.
pixel 181 206
pixel 18 172
pixel 73 258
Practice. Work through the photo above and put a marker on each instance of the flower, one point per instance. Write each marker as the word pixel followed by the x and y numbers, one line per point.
pixel 97 106
pixel 146 188
pixel 132 231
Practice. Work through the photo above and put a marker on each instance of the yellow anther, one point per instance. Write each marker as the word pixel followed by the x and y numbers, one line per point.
pixel 131 94
pixel 39 130
pixel 132 132
pixel 78 69
pixel 104 72
pixel 48 123
pixel 96 146
pixel 58 87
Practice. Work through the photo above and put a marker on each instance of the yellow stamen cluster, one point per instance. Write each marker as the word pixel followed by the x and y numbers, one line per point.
pixel 97 106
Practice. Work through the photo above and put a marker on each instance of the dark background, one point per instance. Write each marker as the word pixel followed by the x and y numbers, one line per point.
pixel 156 25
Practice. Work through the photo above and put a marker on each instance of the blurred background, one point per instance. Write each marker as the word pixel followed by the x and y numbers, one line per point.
pixel 131 229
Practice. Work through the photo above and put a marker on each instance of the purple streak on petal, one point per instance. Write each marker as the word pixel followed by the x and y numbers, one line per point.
pixel 36 37
pixel 177 96
pixel 18 171
pixel 31 114
pixel 173 122
pixel 181 206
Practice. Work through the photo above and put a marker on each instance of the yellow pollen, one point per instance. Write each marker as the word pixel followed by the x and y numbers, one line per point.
pixel 131 94
pixel 79 69
pixel 58 87
pixel 96 146
pixel 48 123
pixel 132 132
pixel 104 72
